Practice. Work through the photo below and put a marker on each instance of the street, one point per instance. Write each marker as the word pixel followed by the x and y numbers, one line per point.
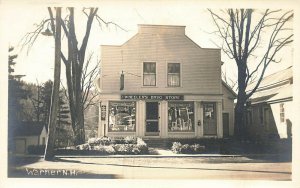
pixel 233 168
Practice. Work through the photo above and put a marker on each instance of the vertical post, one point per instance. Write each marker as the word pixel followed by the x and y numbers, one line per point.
pixel 49 152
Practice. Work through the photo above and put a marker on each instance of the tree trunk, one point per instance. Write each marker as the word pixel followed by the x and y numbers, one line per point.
pixel 49 152
pixel 239 123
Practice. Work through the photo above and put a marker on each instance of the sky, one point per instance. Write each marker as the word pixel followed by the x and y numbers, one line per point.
pixel 37 64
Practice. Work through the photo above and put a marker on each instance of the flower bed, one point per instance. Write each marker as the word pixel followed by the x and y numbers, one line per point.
pixel 177 147
pixel 107 146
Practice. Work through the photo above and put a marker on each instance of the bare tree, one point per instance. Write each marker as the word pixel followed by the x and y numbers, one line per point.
pixel 73 61
pixel 90 72
pixel 252 39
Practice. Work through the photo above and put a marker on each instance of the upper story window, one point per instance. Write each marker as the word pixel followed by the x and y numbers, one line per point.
pixel 173 74
pixel 149 74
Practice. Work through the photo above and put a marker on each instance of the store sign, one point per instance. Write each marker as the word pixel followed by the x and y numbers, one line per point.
pixel 103 112
pixel 153 97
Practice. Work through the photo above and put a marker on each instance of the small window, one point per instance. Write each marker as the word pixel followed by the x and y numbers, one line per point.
pixel 173 74
pixel 282 118
pixel 149 74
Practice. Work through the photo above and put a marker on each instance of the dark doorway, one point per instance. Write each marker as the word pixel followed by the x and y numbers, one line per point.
pixel 152 119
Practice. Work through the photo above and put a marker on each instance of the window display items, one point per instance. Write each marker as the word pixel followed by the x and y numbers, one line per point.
pixel 181 116
pixel 122 116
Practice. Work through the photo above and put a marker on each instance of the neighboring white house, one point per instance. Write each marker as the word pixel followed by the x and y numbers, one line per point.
pixel 270 112
pixel 161 84
pixel 27 134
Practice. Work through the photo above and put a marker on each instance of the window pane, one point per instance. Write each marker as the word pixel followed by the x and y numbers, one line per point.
pixel 173 80
pixel 149 68
pixel 149 80
pixel 121 116
pixel 180 116
pixel 149 77
pixel 209 110
pixel 173 74
pixel 173 68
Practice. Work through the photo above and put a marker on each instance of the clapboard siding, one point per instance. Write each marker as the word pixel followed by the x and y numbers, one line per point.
pixel 200 68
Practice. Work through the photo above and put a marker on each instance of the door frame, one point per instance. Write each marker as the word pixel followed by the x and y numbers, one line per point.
pixel 152 134
pixel 215 103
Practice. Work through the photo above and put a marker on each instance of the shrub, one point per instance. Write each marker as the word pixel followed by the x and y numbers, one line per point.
pixel 130 140
pixel 129 145
pixel 197 148
pixel 141 146
pixel 99 141
pixel 36 149
pixel 185 148
pixel 93 141
pixel 105 141
pixel 123 148
pixel 83 147
pixel 109 150
pixel 176 147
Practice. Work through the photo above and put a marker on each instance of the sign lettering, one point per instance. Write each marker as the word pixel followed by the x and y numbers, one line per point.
pixel 152 97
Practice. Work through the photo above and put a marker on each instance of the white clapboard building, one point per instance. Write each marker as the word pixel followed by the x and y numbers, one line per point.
pixel 161 84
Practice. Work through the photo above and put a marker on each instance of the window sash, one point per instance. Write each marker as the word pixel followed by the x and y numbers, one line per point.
pixel 173 74
pixel 149 74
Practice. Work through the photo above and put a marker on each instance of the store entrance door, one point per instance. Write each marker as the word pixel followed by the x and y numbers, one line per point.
pixel 152 125
pixel 209 118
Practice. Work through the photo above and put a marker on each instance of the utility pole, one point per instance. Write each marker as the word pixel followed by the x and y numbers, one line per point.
pixel 49 152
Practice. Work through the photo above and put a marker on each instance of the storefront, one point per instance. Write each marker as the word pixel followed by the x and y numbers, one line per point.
pixel 161 116
pixel 160 84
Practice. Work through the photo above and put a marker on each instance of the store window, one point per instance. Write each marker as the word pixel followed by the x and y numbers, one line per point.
pixel 181 116
pixel 149 74
pixel 282 112
pixel 173 74
pixel 121 116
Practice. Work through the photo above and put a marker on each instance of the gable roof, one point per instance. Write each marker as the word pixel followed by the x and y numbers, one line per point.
pixel 274 88
pixel 29 129
pixel 273 80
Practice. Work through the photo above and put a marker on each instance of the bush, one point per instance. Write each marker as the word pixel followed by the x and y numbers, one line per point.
pixel 185 148
pixel 83 147
pixel 109 150
pixel 124 146
pixel 99 141
pixel 197 148
pixel 130 140
pixel 141 146
pixel 105 141
pixel 177 147
pixel 36 149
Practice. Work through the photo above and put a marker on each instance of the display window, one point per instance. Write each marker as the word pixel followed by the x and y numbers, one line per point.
pixel 181 116
pixel 122 116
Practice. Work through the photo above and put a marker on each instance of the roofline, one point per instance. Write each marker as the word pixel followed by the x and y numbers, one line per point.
pixel 227 86
pixel 161 25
